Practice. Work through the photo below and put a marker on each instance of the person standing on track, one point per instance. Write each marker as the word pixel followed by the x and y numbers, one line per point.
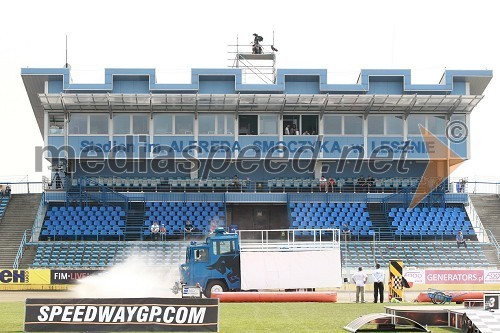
pixel 378 276
pixel 359 278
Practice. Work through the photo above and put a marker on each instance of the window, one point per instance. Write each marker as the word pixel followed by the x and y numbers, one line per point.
pixel 221 124
pixel 268 124
pixel 300 124
pixel 78 124
pixel 394 125
pixel 375 125
pixel 353 125
pixel 332 124
pixel 247 125
pixel 413 121
pixel 229 124
pixel 436 124
pixel 309 124
pixel 56 124
pixel 98 123
pixel 291 124
pixel 140 124
pixel 200 255
pixel 184 124
pixel 121 124
pixel 206 123
pixel 162 124
pixel 223 247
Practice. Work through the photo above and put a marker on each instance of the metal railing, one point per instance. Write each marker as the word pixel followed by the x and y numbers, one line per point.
pixel 493 241
pixel 101 193
pixel 24 187
pixel 20 251
pixel 289 240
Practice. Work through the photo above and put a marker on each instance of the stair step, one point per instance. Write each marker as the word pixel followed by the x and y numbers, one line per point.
pixel 19 216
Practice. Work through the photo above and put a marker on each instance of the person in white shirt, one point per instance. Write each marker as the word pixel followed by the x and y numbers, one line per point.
pixel 359 278
pixel 155 229
pixel 378 276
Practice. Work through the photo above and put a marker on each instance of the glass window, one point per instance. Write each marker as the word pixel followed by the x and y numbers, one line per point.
pixel 375 125
pixel 413 121
pixel 140 124
pixel 121 124
pixel 200 255
pixel 394 125
pixel 247 125
pixel 332 124
pixel 436 124
pixel 78 124
pixel 98 123
pixel 162 123
pixel 291 124
pixel 309 124
pixel 56 124
pixel 229 124
pixel 206 123
pixel 221 124
pixel 184 124
pixel 458 117
pixel 353 125
pixel 269 124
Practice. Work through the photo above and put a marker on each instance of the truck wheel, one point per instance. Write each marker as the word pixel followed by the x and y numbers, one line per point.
pixel 215 286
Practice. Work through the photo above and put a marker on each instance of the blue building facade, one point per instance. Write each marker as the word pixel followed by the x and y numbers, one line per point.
pixel 217 127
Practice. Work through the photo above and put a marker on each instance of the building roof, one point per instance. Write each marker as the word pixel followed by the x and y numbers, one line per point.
pixel 303 90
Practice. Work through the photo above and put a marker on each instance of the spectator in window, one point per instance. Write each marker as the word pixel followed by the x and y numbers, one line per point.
pixel 287 129
pixel 323 184
pixel 461 240
pixel 331 184
pixel 155 230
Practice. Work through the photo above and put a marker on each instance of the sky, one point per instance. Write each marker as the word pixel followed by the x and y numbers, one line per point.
pixel 175 36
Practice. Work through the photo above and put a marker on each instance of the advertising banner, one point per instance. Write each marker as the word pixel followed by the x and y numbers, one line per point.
pixel 415 276
pixel 25 276
pixel 454 276
pixel 70 276
pixel 122 315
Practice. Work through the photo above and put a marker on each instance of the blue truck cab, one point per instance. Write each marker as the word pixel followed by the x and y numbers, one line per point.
pixel 214 264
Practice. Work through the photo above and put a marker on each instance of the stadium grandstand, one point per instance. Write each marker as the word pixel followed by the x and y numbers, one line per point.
pixel 249 150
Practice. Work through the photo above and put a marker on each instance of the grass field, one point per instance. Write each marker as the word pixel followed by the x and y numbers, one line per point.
pixel 254 317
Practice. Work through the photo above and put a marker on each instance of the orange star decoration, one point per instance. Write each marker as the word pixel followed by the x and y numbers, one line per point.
pixel 442 162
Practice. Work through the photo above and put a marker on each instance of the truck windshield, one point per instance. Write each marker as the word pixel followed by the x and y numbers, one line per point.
pixel 223 247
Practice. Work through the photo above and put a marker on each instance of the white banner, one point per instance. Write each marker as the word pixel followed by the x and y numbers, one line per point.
pixel 414 275
pixel 290 270
pixel 491 276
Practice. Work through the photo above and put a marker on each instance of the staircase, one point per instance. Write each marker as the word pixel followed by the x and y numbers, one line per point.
pixel 135 222
pixel 380 223
pixel 488 208
pixel 19 216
